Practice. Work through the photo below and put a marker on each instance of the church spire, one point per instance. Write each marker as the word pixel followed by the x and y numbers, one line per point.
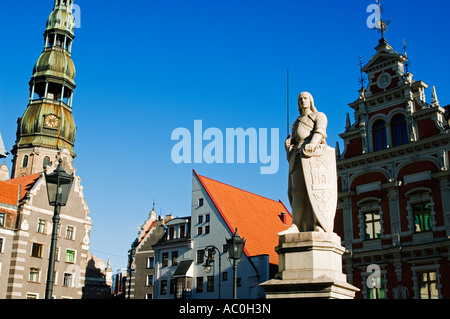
pixel 47 124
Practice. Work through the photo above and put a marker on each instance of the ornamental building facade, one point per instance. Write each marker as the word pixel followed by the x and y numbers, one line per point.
pixel 393 211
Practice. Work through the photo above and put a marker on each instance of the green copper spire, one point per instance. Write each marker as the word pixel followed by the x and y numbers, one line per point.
pixel 47 124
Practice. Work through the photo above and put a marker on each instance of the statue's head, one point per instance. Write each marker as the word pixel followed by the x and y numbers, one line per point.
pixel 306 100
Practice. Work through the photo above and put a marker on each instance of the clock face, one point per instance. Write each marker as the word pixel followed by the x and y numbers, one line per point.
pixel 51 121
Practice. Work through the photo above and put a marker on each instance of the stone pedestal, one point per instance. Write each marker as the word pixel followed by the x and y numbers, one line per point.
pixel 310 266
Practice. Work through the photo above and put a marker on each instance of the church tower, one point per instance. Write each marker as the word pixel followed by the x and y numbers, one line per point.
pixel 47 124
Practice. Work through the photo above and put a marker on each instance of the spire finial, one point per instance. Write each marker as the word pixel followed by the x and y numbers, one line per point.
pixel 362 79
pixel 434 99
pixel 382 24
pixel 407 62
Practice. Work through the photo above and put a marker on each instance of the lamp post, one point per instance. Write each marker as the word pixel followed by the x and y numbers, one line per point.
pixel 211 251
pixel 235 249
pixel 58 188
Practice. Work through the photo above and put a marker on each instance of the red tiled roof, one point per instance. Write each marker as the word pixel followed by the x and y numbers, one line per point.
pixel 10 187
pixel 9 193
pixel 146 232
pixel 256 217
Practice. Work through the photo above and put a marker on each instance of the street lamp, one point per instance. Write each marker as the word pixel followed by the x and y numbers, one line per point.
pixel 58 188
pixel 210 252
pixel 235 249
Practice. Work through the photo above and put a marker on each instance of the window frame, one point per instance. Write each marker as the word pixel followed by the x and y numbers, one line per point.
pixel 199 283
pixel 66 276
pixel 379 135
pixel 70 235
pixel 39 252
pixel 399 130
pixel 67 259
pixel 2 219
pixel 165 259
pixel 41 226
pixel 37 273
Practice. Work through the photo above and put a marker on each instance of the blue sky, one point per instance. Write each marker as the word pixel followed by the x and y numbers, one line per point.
pixel 145 68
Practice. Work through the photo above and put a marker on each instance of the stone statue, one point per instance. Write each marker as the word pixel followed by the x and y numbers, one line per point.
pixel 312 171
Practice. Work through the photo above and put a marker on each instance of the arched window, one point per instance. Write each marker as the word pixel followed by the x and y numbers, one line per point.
pixel 379 135
pixel 25 161
pixel 46 162
pixel 399 131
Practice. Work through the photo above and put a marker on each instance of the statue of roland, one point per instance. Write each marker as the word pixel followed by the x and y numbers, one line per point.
pixel 312 187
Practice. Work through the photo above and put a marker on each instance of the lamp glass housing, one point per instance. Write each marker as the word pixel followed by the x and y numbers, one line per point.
pixel 235 246
pixel 59 184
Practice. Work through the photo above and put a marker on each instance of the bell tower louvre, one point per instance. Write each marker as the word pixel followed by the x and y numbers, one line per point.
pixel 47 124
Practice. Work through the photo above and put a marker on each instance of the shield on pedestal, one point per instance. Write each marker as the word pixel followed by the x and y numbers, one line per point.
pixel 320 174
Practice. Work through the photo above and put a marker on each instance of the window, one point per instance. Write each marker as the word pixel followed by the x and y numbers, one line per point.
pixel 171 232
pixel 151 262
pixel 56 254
pixel 165 259
pixel 172 286
pixel 182 231
pixel 2 220
pixel 33 275
pixel 2 241
pixel 211 254
pixel 46 162
pixel 199 284
pixel 428 285
pixel 372 223
pixel 174 258
pixel 225 248
pixel 163 287
pixel 200 202
pixel 149 281
pixel 183 288
pixel 210 283
pixel 25 161
pixel 67 280
pixel 200 255
pixel 36 250
pixel 41 226
pixel 224 276
pixel 70 256
pixel 32 296
pixel 422 217
pixel 207 229
pixel 199 230
pixel 377 293
pixel 207 217
pixel 399 130
pixel 70 232
pixel 379 135
pixel 200 219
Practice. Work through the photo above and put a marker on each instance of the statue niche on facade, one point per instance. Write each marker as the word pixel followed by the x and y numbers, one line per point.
pixel 312 186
